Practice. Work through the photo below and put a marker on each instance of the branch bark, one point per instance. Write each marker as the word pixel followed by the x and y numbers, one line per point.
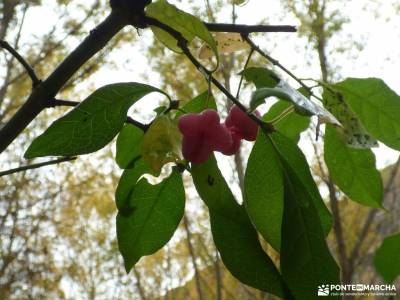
pixel 22 61
pixel 246 29
pixel 36 166
pixel 47 90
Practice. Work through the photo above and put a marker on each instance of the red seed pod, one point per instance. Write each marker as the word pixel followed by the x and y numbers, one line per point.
pixel 242 124
pixel 234 146
pixel 203 134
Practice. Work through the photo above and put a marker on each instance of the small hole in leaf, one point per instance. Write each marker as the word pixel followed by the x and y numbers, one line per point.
pixel 210 180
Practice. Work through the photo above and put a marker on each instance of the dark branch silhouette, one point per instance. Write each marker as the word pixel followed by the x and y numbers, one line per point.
pixel 246 29
pixel 36 166
pixel 47 90
pixel 22 61
pixel 44 93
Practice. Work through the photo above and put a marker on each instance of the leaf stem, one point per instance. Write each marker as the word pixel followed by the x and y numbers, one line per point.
pixel 59 102
pixel 279 65
pixel 245 29
pixel 139 125
pixel 242 76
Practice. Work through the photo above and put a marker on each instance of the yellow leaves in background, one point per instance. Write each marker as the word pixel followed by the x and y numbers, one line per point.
pixel 161 143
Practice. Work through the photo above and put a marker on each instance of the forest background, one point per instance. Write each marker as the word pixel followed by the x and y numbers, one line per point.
pixel 57 223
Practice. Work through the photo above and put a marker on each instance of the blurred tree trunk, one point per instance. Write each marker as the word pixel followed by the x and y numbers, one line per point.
pixel 193 257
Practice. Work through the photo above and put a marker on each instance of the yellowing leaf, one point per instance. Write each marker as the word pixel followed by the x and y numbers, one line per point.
pixel 227 42
pixel 352 130
pixel 161 143
pixel 188 25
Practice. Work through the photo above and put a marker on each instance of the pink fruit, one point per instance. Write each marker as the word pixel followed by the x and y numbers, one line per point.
pixel 203 134
pixel 239 122
pixel 234 146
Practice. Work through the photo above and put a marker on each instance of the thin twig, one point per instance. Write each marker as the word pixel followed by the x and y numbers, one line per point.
pixel 22 61
pixel 35 166
pixel 279 65
pixel 139 125
pixel 47 90
pixel 241 77
pixel 59 102
pixel 182 43
pixel 245 29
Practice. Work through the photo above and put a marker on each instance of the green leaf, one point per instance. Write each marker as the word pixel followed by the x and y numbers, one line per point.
pixel 263 191
pixel 303 105
pixel 354 132
pixel 376 105
pixel 353 170
pixel 386 259
pixel 305 258
pixel 291 125
pixel 198 104
pixel 155 213
pixel 259 95
pixel 233 233
pixel 261 77
pixel 128 180
pixel 92 124
pixel 128 146
pixel 291 153
pixel 265 178
pixel 188 25
pixel 161 143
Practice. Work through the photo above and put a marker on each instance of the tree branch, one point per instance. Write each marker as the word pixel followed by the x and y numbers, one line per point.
pixel 36 166
pixel 182 43
pixel 22 61
pixel 246 29
pixel 59 102
pixel 47 90
pixel 277 63
pixel 139 125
